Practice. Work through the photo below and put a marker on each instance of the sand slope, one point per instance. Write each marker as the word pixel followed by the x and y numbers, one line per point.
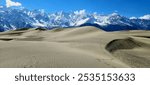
pixel 74 47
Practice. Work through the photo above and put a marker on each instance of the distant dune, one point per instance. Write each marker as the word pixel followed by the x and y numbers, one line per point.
pixel 82 47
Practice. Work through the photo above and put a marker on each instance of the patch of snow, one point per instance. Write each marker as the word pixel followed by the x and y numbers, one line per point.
pixel 82 22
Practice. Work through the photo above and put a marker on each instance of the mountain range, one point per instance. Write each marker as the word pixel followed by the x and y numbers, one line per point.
pixel 12 19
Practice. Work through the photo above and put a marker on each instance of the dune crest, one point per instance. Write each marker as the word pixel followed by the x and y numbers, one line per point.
pixel 130 51
pixel 118 44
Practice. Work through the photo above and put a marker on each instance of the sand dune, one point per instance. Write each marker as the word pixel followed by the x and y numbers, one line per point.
pixel 83 47
pixel 131 51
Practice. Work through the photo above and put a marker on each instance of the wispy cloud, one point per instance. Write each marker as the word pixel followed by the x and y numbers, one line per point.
pixel 10 3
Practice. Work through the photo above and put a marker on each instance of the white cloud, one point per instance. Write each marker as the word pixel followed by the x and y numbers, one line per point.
pixel 133 18
pixel 147 17
pixel 10 3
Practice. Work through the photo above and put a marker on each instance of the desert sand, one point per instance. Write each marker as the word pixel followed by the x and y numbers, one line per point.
pixel 82 47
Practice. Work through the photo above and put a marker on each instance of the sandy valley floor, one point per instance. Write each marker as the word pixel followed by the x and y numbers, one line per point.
pixel 81 47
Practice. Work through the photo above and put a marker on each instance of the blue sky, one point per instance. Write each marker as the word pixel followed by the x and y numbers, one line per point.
pixel 124 7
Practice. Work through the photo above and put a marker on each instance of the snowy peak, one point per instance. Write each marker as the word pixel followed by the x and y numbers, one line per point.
pixel 81 12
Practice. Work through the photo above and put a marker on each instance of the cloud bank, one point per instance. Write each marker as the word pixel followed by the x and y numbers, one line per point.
pixel 145 17
pixel 10 3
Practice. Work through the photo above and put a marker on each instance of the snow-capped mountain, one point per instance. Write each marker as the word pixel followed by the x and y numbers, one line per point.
pixel 11 19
